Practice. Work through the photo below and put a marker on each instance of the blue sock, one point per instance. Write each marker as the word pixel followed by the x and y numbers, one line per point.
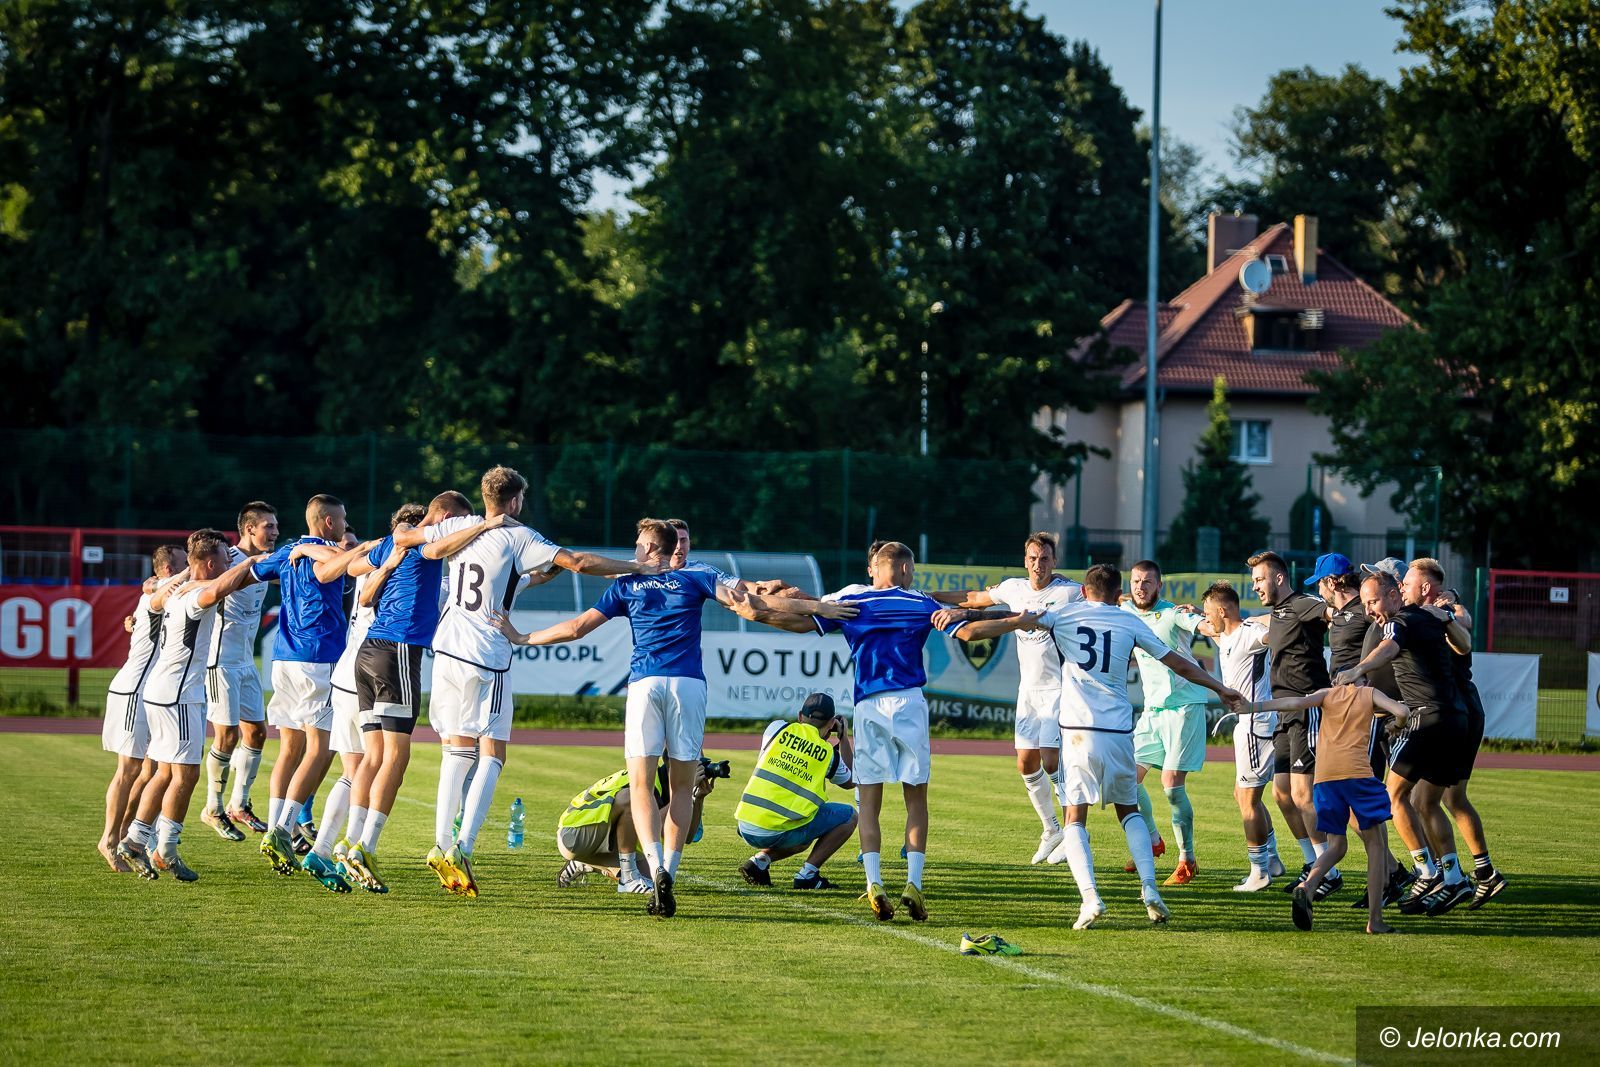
pixel 306 810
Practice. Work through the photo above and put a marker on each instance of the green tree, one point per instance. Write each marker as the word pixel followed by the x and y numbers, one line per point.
pixel 1217 492
pixel 1500 113
pixel 1318 144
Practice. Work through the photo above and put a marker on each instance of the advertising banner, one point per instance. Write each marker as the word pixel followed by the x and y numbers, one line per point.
pixel 65 625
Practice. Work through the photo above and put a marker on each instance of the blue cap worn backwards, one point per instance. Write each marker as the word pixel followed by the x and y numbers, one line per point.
pixel 1330 565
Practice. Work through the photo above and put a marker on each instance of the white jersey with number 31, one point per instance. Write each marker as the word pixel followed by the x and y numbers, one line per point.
pixel 1096 641
pixel 483 579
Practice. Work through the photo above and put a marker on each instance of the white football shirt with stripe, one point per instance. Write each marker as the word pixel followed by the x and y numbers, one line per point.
pixel 1243 663
pixel 1096 641
pixel 344 672
pixel 233 643
pixel 1037 654
pixel 484 578
pixel 179 675
pixel 142 645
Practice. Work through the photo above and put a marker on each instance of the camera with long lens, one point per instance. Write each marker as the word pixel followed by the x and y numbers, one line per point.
pixel 718 769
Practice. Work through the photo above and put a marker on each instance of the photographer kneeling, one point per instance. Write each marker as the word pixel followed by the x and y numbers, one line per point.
pixel 596 831
pixel 783 808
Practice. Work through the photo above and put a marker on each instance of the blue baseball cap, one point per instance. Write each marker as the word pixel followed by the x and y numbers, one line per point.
pixel 1330 565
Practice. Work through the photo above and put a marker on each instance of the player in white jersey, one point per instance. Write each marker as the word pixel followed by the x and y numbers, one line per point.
pixel 1096 639
pixel 234 705
pixel 126 732
pixel 471 704
pixel 174 700
pixel 1242 660
pixel 1038 728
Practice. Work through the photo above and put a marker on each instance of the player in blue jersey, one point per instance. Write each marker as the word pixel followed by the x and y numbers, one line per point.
pixel 403 586
pixel 666 710
pixel 886 639
pixel 311 630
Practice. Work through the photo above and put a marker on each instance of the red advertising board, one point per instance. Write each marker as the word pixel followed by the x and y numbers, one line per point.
pixel 65 625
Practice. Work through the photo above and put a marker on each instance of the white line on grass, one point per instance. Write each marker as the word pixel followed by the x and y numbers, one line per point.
pixel 1037 973
pixel 1094 989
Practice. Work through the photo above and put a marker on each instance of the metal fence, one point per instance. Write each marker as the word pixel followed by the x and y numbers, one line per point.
pixel 1557 616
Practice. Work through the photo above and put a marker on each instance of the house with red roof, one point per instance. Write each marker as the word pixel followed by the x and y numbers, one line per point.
pixel 1262 345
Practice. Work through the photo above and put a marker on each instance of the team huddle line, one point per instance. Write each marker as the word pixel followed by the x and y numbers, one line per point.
pixel 357 616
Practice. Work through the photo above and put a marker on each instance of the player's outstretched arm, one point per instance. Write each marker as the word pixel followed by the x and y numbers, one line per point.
pixel 1310 700
pixel 450 544
pixel 1184 667
pixel 332 570
pixel 1390 706
pixel 828 609
pixel 570 630
pixel 748 608
pixel 380 575
pixel 981 629
pixel 158 599
pixel 229 581
pixel 599 566
pixel 1386 651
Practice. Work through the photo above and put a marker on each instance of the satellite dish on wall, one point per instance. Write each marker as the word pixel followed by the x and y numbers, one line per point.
pixel 1256 277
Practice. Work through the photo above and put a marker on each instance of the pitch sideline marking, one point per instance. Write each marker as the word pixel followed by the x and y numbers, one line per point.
pixel 1039 974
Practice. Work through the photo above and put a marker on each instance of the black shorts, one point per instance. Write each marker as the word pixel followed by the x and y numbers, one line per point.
pixel 1379 752
pixel 1294 746
pixel 389 684
pixel 1433 749
pixel 1475 718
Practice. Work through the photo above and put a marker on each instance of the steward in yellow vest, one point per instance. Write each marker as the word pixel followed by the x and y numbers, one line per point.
pixel 784 808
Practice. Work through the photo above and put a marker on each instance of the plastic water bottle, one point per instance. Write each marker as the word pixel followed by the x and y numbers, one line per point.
pixel 514 831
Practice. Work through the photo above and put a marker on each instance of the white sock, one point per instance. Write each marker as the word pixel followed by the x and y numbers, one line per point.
pixel 1272 844
pixel 373 830
pixel 872 863
pixel 274 809
pixel 674 857
pixel 630 866
pixel 1081 861
pixel 479 797
pixel 1044 800
pixel 460 809
pixel 358 819
pixel 1452 869
pixel 245 763
pixel 138 833
pixel 167 834
pixel 807 870
pixel 1059 780
pixel 288 815
pixel 333 815
pixel 1318 848
pixel 1259 858
pixel 453 770
pixel 1306 849
pixel 217 764
pixel 761 860
pixel 658 856
pixel 914 864
pixel 1138 836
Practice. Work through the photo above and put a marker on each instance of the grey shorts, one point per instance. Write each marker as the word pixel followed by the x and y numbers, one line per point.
pixel 590 844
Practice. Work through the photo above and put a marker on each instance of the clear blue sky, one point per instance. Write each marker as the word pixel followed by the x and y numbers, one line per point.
pixel 1218 54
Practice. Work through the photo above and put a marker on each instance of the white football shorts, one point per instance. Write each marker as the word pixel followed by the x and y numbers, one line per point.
pixel 1097 768
pixel 1253 754
pixel 891 735
pixel 346 732
pixel 469 701
pixel 302 695
pixel 126 730
pixel 232 694
pixel 1038 718
pixel 177 732
pixel 665 716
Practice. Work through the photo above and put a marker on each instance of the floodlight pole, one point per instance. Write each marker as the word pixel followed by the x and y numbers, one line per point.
pixel 1147 539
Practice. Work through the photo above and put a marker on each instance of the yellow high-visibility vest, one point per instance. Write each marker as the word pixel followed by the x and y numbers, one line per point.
pixel 593 805
pixel 789 782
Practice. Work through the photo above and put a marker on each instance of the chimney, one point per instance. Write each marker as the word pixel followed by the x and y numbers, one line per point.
pixel 1225 235
pixel 1305 248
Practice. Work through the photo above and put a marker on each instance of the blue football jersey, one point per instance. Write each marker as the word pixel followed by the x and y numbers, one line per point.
pixel 664 611
pixel 408 607
pixel 311 621
pixel 886 639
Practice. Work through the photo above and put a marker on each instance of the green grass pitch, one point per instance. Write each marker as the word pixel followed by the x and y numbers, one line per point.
pixel 248 967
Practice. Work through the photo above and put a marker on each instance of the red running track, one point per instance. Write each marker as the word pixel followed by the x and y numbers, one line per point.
pixel 1521 761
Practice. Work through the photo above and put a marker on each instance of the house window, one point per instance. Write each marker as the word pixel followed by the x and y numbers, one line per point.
pixel 1252 440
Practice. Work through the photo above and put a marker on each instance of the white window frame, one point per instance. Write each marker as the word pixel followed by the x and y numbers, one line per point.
pixel 1239 436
